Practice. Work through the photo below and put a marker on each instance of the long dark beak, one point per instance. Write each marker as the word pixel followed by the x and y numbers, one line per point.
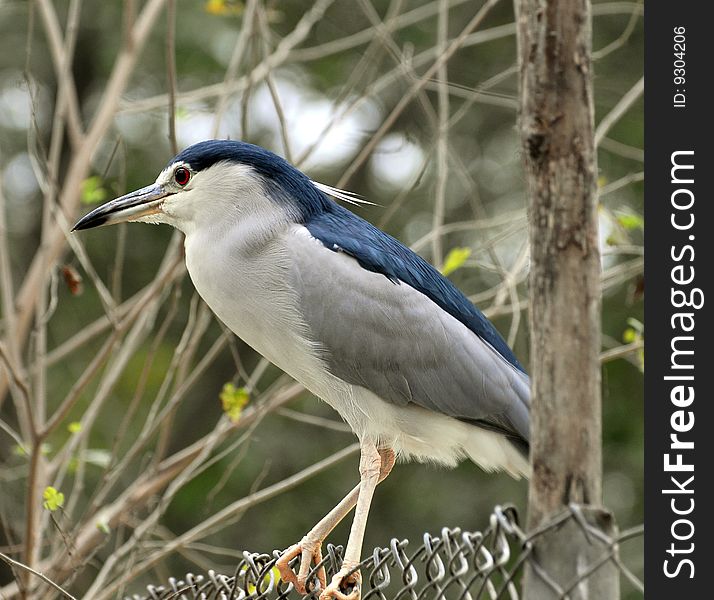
pixel 143 202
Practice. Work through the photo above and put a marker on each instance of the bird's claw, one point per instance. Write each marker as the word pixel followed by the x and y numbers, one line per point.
pixel 345 576
pixel 309 551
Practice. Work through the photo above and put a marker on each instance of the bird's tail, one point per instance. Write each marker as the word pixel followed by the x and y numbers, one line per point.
pixel 493 451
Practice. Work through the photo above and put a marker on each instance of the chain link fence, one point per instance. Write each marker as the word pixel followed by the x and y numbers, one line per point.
pixel 457 565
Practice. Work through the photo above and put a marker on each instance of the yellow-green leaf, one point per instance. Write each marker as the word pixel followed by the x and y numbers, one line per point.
pixel 273 574
pixel 53 499
pixel 631 221
pixel 233 400
pixel 224 7
pixel 103 526
pixel 92 190
pixel 634 332
pixel 74 427
pixel 455 259
pixel 18 450
pixel 629 335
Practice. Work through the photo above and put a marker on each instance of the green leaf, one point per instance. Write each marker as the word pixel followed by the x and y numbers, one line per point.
pixel 631 221
pixel 638 326
pixel 103 526
pixel 74 427
pixel 52 499
pixel 224 7
pixel 634 332
pixel 92 190
pixel 273 574
pixel 233 401
pixel 455 259
pixel 18 450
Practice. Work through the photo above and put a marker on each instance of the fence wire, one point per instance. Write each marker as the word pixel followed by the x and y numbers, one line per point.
pixel 458 565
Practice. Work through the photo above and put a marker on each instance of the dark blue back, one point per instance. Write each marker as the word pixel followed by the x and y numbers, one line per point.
pixel 341 230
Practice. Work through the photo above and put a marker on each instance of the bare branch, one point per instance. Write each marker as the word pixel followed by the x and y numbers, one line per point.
pixel 18 565
pixel 238 507
pixel 171 70
pixel 76 172
pixel 618 110
pixel 235 62
pixel 61 55
pixel 442 143
pixel 368 148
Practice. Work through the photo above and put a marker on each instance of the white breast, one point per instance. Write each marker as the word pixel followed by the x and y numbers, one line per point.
pixel 247 286
pixel 248 289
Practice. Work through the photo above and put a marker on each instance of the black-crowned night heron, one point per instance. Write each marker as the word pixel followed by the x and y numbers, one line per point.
pixel 348 311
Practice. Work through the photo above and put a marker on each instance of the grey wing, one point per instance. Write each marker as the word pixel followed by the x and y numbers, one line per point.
pixel 396 342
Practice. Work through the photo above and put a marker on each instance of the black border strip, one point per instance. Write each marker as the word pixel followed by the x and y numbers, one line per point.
pixel 678 400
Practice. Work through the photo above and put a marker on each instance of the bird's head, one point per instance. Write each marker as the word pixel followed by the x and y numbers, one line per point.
pixel 216 182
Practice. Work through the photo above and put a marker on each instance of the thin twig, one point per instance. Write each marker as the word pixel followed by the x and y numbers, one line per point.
pixel 19 381
pixel 6 283
pixel 14 563
pixel 239 506
pixel 171 70
pixel 314 420
pixel 619 109
pixel 442 143
pixel 234 64
pixel 623 150
pixel 274 95
pixel 88 537
pixel 624 36
pixel 622 182
pixel 77 169
pixel 288 55
pixel 413 90
pixel 621 351
pixel 61 62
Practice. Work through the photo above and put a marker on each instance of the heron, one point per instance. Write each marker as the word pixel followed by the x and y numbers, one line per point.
pixel 359 319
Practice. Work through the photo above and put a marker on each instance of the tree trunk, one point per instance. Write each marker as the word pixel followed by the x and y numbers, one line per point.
pixel 556 124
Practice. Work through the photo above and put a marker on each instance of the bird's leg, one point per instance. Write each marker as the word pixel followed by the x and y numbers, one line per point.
pixel 369 470
pixel 310 547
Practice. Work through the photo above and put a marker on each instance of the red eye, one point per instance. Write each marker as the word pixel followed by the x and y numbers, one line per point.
pixel 182 175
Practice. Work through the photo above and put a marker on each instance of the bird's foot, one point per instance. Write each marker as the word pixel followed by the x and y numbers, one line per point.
pixel 309 551
pixel 344 577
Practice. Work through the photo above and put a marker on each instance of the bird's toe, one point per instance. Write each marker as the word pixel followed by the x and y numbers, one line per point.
pixel 344 578
pixel 310 552
pixel 283 564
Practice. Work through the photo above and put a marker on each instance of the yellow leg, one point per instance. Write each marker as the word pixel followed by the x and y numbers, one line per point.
pixel 369 470
pixel 310 547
